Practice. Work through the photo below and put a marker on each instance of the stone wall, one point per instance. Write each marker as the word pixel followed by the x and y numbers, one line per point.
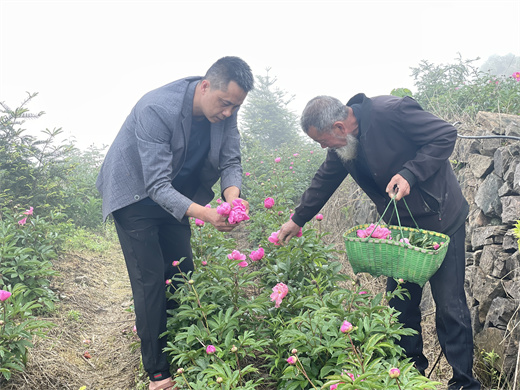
pixel 489 173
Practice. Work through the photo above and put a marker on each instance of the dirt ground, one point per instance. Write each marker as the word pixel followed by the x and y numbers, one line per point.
pixel 93 318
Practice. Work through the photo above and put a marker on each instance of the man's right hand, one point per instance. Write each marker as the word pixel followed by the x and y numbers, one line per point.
pixel 211 216
pixel 288 231
pixel 219 221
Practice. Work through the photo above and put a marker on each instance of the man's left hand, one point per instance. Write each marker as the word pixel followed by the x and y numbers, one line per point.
pixel 398 187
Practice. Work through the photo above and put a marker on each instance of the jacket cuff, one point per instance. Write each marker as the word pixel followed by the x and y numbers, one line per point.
pixel 298 220
pixel 408 176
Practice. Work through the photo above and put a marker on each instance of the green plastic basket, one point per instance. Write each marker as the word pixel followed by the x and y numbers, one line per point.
pixel 393 258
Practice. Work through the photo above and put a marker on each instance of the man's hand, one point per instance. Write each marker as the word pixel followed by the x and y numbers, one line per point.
pixel 211 216
pixel 232 193
pixel 288 231
pixel 398 185
pixel 219 221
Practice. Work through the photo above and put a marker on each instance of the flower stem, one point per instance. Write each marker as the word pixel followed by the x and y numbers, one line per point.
pixel 186 381
pixel 302 370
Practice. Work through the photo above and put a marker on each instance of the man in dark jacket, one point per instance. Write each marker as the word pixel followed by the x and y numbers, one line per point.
pixel 392 147
pixel 175 144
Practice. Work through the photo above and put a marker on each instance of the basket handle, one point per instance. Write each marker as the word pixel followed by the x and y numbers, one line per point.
pixel 394 210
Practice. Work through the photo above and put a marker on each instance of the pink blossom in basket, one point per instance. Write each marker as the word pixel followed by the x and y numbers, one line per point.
pixel 372 231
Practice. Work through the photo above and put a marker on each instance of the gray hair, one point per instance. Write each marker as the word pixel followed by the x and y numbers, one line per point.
pixel 321 112
pixel 229 69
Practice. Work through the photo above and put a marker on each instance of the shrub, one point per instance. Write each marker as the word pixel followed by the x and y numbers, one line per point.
pixel 240 319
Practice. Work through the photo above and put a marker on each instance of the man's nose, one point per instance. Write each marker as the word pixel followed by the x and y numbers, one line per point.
pixel 227 112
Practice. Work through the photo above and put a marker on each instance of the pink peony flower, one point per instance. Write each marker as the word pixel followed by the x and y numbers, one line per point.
pixel 248 174
pixel 279 293
pixel 224 208
pixel 204 262
pixel 292 360
pixel 319 217
pixel 346 327
pixel 516 76
pixel 22 221
pixel 436 246
pixel 210 349
pixel 277 159
pixel 29 212
pixel 219 201
pixel 208 206
pixel 176 263
pixel 199 222
pixel 300 233
pixel 362 293
pixel 257 255
pixel 268 203
pixel 168 281
pixel 296 154
pixel 4 295
pixel 394 373
pixel 243 264
pixel 236 255
pixel 334 387
pixel 379 232
pixel 238 212
pixel 405 240
pixel 274 238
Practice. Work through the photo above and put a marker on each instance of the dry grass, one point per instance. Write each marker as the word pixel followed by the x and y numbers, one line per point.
pixel 95 298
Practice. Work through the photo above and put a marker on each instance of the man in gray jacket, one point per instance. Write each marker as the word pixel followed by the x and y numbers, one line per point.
pixel 392 147
pixel 176 143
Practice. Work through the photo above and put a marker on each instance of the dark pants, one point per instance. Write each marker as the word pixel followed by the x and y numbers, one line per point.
pixel 452 318
pixel 151 239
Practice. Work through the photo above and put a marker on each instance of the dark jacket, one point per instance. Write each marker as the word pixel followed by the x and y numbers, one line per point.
pixel 397 136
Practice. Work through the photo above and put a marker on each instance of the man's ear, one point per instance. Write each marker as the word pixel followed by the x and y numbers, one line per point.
pixel 342 128
pixel 205 86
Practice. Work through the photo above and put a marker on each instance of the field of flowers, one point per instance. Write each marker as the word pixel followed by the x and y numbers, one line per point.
pixel 259 315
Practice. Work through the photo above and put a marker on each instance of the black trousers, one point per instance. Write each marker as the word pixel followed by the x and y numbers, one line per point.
pixel 151 239
pixel 452 317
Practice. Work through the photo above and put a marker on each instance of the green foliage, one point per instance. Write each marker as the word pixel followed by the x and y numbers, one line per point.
pixel 17 328
pixel 26 252
pixel 266 119
pixel 52 177
pixel 284 181
pixel 459 91
pixel 516 231
pixel 228 307
pixel 401 92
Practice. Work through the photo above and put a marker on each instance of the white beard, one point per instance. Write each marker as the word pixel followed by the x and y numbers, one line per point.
pixel 349 151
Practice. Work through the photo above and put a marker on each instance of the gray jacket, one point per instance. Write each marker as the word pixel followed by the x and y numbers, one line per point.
pixel 150 150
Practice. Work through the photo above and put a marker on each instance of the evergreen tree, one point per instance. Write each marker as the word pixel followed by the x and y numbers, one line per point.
pixel 266 119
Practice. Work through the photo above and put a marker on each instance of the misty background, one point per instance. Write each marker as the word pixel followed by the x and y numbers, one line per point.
pixel 90 61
